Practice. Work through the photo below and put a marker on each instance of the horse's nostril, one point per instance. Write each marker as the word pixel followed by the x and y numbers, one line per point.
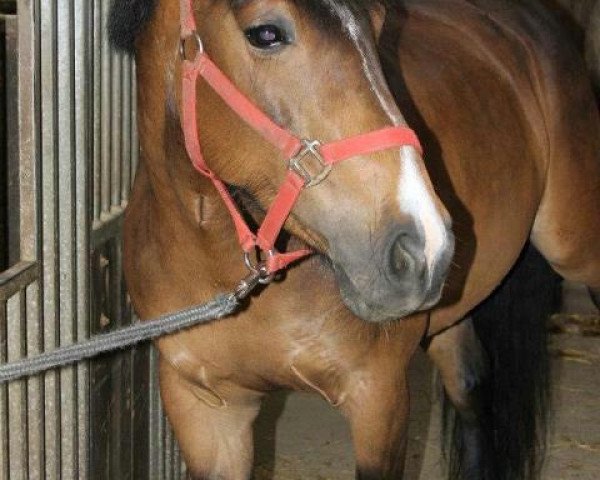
pixel 406 256
pixel 402 260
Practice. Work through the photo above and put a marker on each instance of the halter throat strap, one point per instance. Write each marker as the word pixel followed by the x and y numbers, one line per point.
pixel 308 162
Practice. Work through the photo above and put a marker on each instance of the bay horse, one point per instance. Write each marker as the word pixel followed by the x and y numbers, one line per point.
pixel 511 137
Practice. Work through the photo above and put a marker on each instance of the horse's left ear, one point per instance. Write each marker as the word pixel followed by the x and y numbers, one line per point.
pixel 377 13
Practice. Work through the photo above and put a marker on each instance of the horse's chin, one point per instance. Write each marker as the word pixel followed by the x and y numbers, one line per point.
pixel 365 309
pixel 370 313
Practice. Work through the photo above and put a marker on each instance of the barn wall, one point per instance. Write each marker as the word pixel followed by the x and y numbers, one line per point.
pixel 72 155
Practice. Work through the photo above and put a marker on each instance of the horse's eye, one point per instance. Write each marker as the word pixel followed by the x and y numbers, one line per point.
pixel 266 36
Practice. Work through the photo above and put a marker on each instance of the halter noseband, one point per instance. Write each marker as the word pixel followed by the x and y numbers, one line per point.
pixel 309 162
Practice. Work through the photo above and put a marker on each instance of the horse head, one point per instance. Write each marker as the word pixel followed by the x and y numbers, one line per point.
pixel 313 68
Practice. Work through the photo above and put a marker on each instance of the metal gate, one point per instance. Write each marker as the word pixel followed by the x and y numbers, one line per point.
pixel 71 155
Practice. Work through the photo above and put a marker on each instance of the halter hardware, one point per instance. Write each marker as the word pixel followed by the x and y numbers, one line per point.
pixel 197 46
pixel 260 269
pixel 247 286
pixel 310 149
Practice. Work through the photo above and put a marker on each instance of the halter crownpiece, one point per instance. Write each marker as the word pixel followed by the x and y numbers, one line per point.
pixel 309 162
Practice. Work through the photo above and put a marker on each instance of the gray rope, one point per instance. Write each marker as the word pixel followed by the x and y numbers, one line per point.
pixel 220 307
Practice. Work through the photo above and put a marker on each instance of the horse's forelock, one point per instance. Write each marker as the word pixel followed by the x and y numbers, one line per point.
pixel 125 21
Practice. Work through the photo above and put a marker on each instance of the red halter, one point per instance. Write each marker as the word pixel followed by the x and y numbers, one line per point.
pixel 297 152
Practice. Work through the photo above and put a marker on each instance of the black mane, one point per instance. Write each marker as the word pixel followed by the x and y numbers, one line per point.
pixel 128 17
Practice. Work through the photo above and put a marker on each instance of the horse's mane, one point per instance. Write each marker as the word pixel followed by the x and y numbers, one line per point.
pixel 128 17
pixel 125 21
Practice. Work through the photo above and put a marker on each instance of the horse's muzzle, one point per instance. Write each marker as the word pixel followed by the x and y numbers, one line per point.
pixel 396 279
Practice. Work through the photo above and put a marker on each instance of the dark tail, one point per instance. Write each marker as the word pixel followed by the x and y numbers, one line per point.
pixel 514 397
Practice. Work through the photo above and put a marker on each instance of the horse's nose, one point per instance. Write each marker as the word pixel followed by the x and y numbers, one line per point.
pixel 407 264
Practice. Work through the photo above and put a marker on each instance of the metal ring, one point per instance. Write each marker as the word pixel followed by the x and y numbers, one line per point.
pixel 248 262
pixel 199 46
pixel 260 268
pixel 265 277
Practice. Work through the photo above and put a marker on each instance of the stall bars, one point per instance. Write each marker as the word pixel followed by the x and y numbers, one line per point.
pixel 72 154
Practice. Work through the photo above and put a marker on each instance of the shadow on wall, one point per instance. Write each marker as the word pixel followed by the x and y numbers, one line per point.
pixel 7 7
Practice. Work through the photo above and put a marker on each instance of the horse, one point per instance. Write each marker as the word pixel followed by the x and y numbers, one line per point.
pixel 405 246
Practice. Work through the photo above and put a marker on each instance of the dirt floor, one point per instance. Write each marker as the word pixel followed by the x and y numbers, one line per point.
pixel 299 437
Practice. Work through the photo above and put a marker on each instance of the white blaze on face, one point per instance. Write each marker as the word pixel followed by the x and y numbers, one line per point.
pixel 415 199
pixel 413 195
pixel 370 59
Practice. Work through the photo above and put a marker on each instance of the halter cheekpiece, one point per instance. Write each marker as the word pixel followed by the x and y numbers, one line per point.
pixel 309 162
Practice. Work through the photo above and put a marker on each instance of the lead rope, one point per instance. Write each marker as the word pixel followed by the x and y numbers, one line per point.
pixel 218 308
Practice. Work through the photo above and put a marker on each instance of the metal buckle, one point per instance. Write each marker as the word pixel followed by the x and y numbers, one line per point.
pixel 310 148
pixel 197 47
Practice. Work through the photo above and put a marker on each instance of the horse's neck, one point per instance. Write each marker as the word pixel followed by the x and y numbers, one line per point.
pixel 180 242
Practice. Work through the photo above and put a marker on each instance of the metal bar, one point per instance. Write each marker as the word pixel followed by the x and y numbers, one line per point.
pixel 124 318
pixel 100 372
pixel 130 403
pixel 49 136
pixel 105 112
pixel 179 463
pixel 97 108
pixel 28 180
pixel 116 122
pixel 66 233
pixel 116 468
pixel 142 419
pixel 154 426
pixel 168 451
pixel 5 147
pixel 16 278
pixel 135 144
pixel 12 197
pixel 120 365
pixel 126 129
pixel 83 151
pixel 29 124
pixel 4 453
pixel 17 397
pixel 35 416
pixel 175 457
